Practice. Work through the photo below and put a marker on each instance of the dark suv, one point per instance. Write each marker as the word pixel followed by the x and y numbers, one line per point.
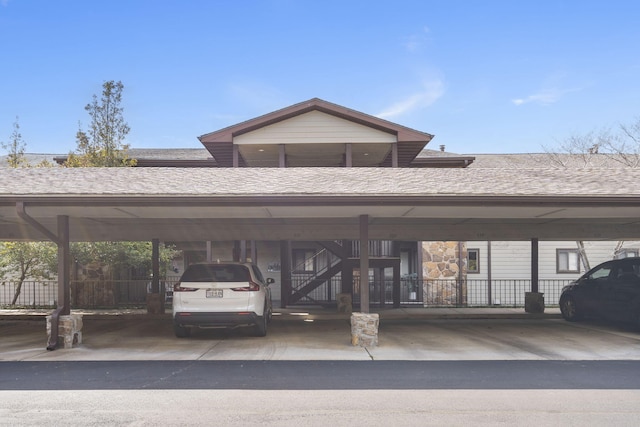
pixel 610 290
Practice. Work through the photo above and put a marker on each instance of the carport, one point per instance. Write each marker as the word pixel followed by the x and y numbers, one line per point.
pixel 288 204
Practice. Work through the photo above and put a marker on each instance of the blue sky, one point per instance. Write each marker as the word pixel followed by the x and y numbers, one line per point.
pixel 483 76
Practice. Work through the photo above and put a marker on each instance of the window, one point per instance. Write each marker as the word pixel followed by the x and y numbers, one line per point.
pixel 602 273
pixel 626 253
pixel 473 260
pixel 567 261
pixel 304 261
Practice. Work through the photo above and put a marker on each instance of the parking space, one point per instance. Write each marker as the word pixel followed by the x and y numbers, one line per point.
pixel 446 335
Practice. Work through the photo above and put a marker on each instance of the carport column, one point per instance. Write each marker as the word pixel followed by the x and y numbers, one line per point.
pixel 534 300
pixel 285 272
pixel 64 266
pixel 364 325
pixel 155 300
pixel 62 326
pixel 364 263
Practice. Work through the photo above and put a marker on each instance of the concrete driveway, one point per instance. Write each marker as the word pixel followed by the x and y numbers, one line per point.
pixel 413 334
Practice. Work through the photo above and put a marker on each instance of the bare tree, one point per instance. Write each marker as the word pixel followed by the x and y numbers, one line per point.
pixel 621 146
pixel 624 145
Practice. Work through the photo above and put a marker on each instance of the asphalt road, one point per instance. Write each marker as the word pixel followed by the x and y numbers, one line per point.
pixel 511 372
pixel 343 393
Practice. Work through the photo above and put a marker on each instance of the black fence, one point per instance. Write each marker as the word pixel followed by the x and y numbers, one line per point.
pixel 442 292
pixel 84 294
pixel 413 292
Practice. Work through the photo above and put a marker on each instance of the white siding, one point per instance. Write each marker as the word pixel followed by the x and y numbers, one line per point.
pixel 315 127
pixel 510 260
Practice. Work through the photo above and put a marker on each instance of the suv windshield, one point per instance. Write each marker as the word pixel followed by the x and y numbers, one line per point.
pixel 216 273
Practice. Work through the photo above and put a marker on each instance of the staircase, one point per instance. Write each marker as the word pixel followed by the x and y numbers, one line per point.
pixel 302 289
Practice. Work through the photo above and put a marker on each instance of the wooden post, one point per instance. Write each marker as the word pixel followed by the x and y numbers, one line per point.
pixel 364 263
pixel 285 272
pixel 64 266
pixel 155 265
pixel 534 265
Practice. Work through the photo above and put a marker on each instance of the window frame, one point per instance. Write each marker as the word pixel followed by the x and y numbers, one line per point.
pixel 568 270
pixel 477 269
pixel 627 251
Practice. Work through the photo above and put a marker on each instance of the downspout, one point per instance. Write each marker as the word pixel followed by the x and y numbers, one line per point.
pixel 63 304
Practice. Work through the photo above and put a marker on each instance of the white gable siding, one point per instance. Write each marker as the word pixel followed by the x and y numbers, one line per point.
pixel 315 127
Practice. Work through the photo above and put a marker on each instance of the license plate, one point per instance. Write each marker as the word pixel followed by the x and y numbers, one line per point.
pixel 214 293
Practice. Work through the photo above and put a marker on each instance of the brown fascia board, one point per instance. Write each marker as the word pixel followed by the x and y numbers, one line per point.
pixel 195 163
pixel 314 200
pixel 402 133
pixel 443 162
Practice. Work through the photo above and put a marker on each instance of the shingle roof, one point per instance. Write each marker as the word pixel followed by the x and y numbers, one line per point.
pixel 353 182
pixel 546 160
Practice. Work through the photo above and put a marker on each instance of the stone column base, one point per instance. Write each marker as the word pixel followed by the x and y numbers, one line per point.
pixel 364 329
pixel 69 330
pixel 534 302
pixel 344 303
pixel 154 304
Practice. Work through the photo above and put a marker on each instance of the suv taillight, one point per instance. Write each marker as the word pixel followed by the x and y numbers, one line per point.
pixel 178 288
pixel 253 286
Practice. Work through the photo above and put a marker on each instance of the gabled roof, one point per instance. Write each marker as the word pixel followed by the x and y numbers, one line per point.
pixel 410 141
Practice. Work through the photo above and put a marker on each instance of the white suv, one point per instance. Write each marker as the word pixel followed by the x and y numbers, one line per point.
pixel 224 294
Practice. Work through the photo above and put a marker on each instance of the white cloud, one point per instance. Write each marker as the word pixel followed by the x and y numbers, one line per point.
pixel 415 42
pixel 430 93
pixel 544 97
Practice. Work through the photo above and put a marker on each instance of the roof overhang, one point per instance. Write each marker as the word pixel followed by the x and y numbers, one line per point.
pixel 322 204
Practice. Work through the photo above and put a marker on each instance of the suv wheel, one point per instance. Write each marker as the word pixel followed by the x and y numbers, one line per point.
pixel 569 308
pixel 261 324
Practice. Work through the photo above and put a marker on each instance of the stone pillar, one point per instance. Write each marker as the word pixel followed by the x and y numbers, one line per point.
pixel 364 329
pixel 69 330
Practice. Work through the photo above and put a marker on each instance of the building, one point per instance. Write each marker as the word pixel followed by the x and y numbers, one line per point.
pixel 316 134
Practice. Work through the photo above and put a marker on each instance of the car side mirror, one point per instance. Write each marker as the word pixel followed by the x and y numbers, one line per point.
pixel 270 281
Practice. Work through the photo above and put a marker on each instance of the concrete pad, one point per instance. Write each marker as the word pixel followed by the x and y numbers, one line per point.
pixel 413 334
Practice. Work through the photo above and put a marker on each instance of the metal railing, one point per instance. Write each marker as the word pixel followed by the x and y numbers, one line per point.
pixel 42 293
pixel 84 294
pixel 443 292
pixel 428 293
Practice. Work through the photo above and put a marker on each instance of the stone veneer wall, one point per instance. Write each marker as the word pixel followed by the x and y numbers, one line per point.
pixel 444 273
